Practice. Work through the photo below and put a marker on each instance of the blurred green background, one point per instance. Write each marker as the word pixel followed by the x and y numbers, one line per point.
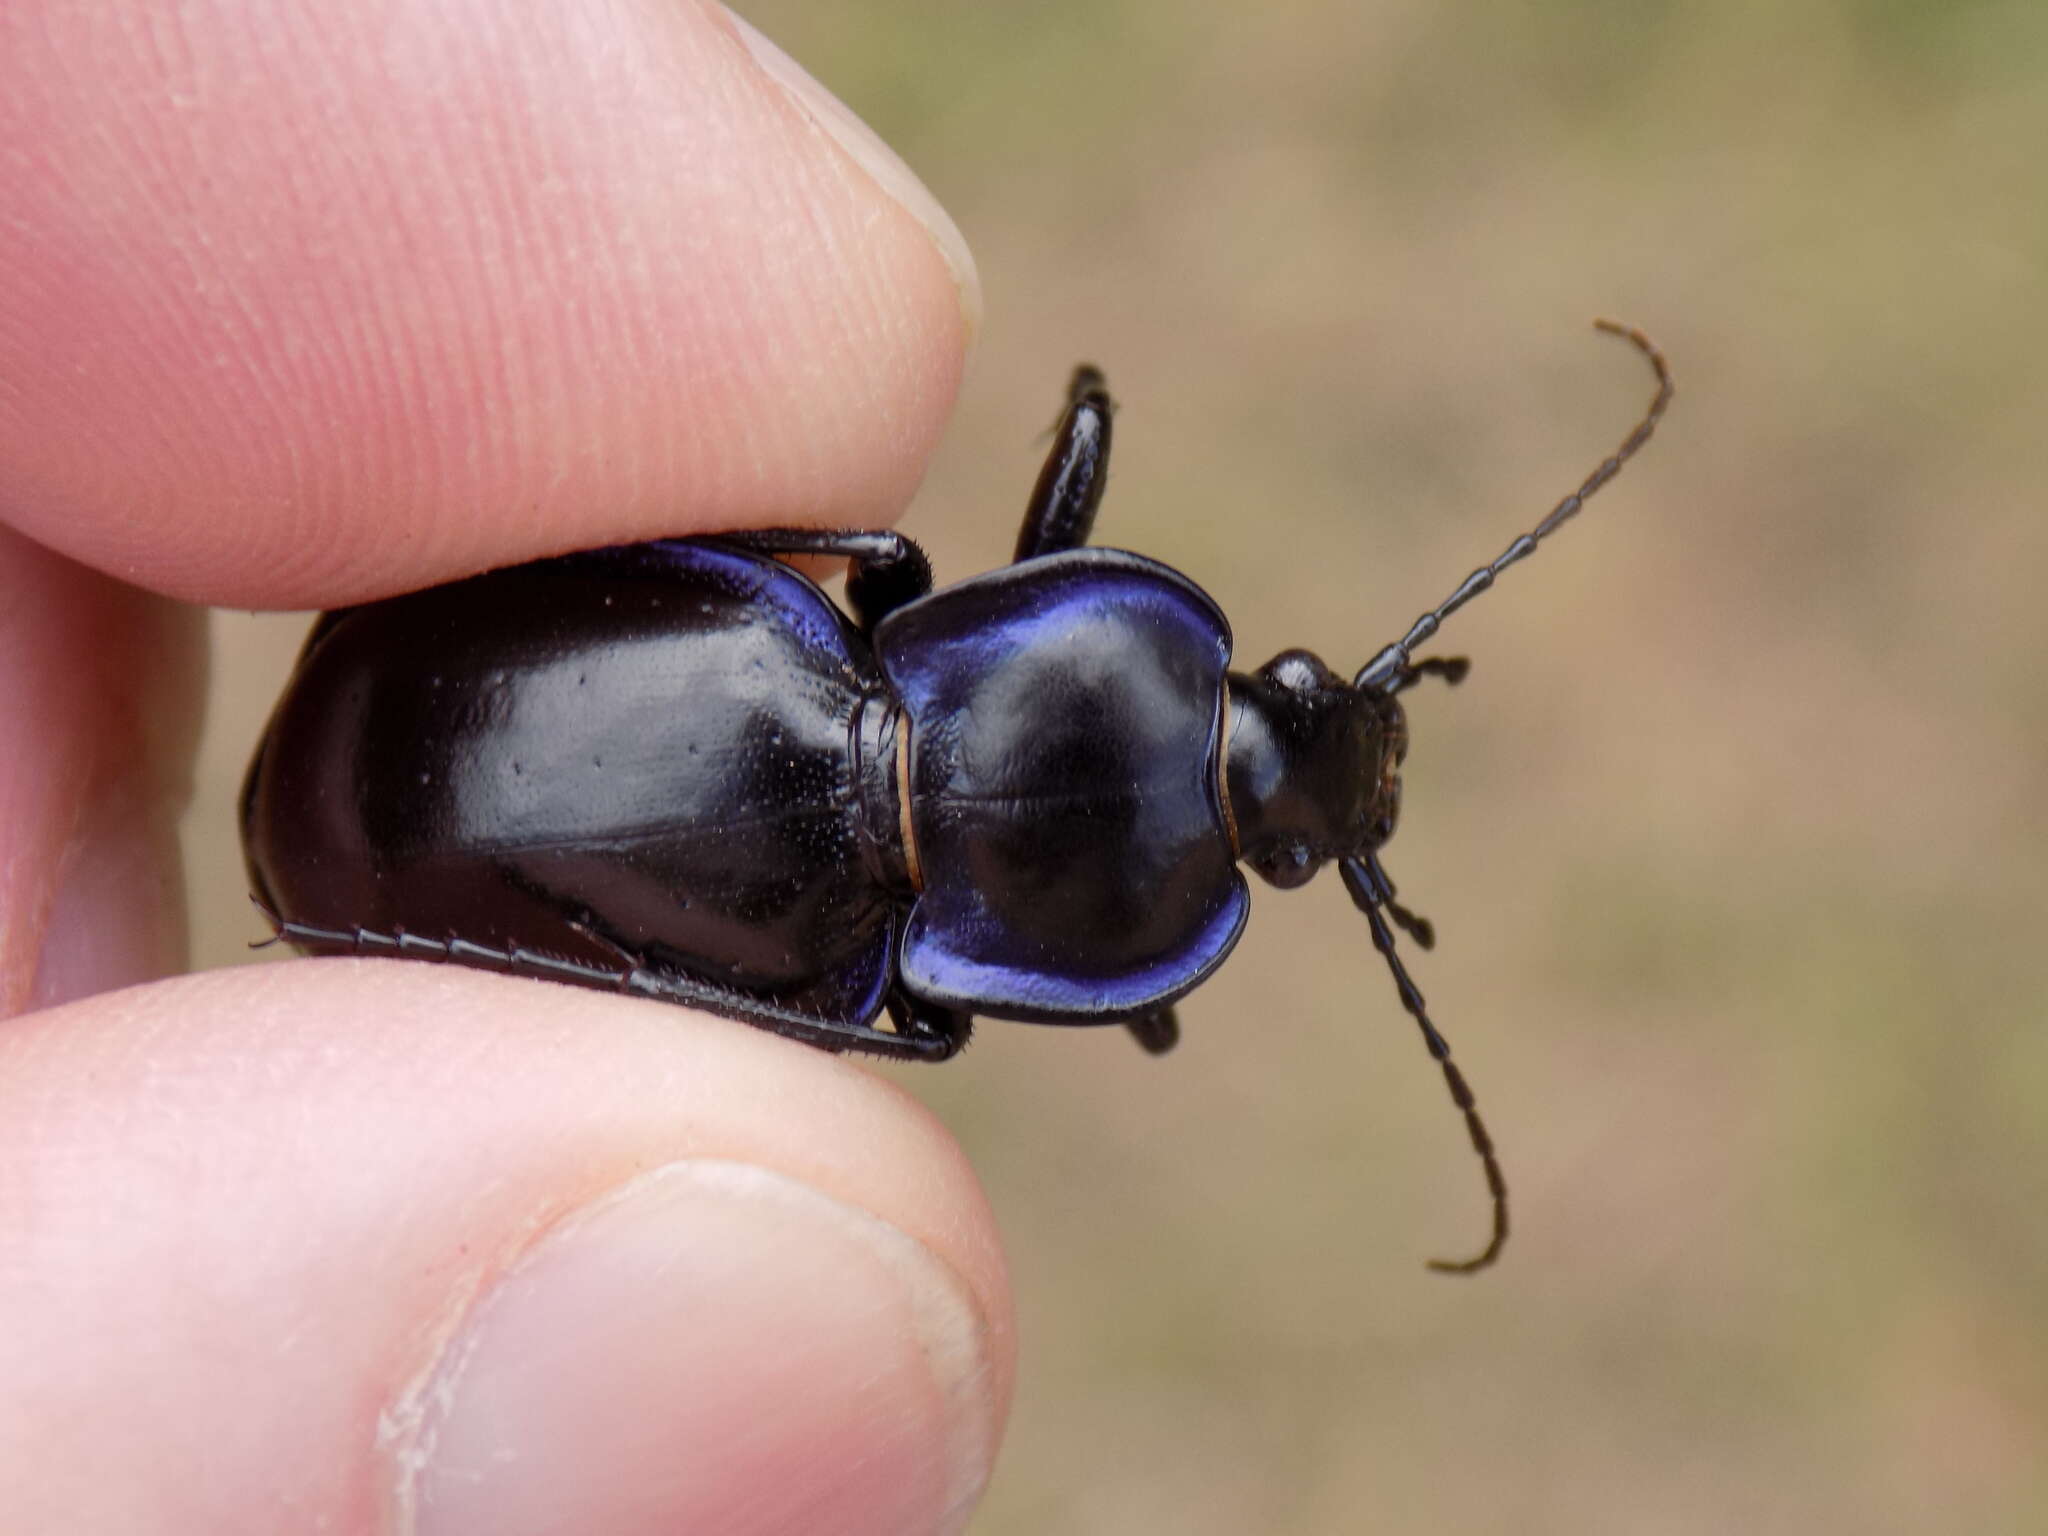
pixel 1734 839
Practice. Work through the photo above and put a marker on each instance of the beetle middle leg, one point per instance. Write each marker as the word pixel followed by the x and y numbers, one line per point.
pixel 923 1040
pixel 1158 1031
pixel 888 569
pixel 1069 490
pixel 923 1032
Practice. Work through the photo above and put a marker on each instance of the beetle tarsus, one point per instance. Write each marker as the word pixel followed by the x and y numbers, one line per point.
pixel 1061 512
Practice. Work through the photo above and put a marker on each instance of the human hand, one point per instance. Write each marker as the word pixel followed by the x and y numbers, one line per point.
pixel 298 309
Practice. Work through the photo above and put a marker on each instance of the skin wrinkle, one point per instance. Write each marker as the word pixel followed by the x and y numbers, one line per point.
pixel 34 868
pixel 408 1424
pixel 518 360
pixel 805 208
pixel 227 322
pixel 48 869
pixel 742 459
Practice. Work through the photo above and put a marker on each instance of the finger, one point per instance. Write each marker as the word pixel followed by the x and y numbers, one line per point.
pixel 99 685
pixel 333 1244
pixel 301 307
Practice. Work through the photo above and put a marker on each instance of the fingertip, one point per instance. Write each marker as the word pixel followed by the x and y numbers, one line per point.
pixel 370 1230
pixel 321 306
pixel 867 150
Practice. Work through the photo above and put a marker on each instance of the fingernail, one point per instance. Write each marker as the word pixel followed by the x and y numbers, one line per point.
pixel 877 159
pixel 713 1347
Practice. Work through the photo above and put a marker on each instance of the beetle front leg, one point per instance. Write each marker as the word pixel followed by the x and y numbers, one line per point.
pixel 1069 490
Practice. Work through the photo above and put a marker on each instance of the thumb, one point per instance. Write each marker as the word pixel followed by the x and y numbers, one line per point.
pixel 370 1246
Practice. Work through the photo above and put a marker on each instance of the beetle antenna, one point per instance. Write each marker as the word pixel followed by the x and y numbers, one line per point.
pixel 1391 669
pixel 1370 892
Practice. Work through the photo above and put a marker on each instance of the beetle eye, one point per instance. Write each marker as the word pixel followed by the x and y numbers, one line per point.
pixel 1287 866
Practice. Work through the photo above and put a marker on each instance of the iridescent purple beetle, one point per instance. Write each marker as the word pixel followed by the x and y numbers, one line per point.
pixel 678 769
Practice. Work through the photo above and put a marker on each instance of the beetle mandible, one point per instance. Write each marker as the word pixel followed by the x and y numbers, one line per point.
pixel 678 769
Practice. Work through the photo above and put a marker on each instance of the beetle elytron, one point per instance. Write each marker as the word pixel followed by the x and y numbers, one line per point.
pixel 678 769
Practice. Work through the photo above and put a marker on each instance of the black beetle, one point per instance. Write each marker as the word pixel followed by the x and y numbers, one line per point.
pixel 678 769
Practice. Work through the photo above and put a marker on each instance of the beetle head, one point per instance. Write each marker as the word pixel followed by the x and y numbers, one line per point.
pixel 1314 768
pixel 1313 773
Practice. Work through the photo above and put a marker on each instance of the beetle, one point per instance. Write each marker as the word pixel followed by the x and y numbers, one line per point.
pixel 678 769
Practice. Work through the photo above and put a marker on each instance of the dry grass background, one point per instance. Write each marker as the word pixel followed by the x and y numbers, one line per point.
pixel 1735 838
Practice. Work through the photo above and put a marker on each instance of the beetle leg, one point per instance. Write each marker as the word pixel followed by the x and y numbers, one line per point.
pixel 1158 1031
pixel 1063 503
pixel 888 569
pixel 935 1040
pixel 923 1041
pixel 914 1044
pixel 924 1033
pixel 933 1033
pixel 358 940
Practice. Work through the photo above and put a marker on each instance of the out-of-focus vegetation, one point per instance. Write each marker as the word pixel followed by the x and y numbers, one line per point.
pixel 1735 839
